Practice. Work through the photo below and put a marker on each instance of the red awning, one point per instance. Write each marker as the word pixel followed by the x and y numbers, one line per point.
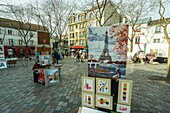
pixel 77 47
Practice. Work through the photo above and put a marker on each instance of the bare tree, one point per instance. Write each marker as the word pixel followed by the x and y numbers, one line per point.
pixel 164 23
pixel 53 14
pixel 102 10
pixel 3 31
pixel 23 18
pixel 133 10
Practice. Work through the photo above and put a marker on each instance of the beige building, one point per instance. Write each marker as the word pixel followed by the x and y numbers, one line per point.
pixel 78 25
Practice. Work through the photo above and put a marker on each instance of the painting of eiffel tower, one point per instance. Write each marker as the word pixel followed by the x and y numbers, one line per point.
pixel 105 53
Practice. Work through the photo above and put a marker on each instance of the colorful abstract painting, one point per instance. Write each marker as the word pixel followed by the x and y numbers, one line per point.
pixel 88 84
pixel 104 101
pixel 123 108
pixel 108 51
pixel 88 99
pixel 103 86
pixel 125 90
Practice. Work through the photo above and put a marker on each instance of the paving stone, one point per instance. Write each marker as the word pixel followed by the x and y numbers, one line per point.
pixel 148 95
pixel 60 103
pixel 58 108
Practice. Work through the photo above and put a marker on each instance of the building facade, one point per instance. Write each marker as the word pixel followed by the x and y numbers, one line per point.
pixel 10 37
pixel 149 37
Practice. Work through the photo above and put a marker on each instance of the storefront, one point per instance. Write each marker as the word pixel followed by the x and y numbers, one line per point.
pixel 74 48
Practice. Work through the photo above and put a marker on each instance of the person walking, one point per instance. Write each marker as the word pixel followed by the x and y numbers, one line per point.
pixel 78 55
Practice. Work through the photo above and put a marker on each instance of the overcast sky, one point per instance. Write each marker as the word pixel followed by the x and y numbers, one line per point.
pixel 154 15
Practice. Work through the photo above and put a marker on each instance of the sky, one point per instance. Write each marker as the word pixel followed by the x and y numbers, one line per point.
pixel 154 15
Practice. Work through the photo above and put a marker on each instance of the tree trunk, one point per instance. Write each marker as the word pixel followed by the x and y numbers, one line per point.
pixel 131 46
pixel 168 69
pixel 26 53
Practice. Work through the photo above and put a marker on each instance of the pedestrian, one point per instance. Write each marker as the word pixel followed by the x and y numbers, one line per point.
pixel 36 65
pixel 78 55
pixel 57 56
pixel 81 57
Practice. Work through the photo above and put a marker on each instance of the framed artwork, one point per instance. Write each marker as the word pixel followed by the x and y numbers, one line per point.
pixel 123 108
pixel 44 59
pixel 51 76
pixel 88 84
pixel 104 101
pixel 107 51
pixel 88 99
pixel 90 110
pixel 125 92
pixel 103 86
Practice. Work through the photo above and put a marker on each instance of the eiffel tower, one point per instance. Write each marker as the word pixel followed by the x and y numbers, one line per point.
pixel 105 54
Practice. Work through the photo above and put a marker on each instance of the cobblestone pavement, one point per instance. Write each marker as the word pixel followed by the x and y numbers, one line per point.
pixel 19 94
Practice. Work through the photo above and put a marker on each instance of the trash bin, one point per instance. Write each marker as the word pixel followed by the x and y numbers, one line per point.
pixel 36 76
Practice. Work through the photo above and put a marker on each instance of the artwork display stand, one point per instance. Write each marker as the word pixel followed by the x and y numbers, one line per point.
pixel 107 65
pixel 51 76
pixel 3 63
pixel 44 59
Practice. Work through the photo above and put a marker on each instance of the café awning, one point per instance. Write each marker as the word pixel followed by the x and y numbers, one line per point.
pixel 77 47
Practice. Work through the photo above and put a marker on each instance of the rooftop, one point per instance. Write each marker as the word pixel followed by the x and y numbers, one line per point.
pixel 19 25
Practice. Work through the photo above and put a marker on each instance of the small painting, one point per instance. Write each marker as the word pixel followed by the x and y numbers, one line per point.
pixel 103 86
pixel 104 101
pixel 123 108
pixel 51 76
pixel 88 84
pixel 44 59
pixel 88 99
pixel 125 92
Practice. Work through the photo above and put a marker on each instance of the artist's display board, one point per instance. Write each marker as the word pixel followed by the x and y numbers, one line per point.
pixel 107 55
pixel 44 59
pixel 108 51
pixel 2 58
pixel 124 96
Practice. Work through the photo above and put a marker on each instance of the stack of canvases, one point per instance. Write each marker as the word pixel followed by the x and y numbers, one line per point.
pixel 96 92
pixel 124 96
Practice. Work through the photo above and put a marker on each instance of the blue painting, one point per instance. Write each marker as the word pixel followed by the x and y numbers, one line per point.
pixel 107 51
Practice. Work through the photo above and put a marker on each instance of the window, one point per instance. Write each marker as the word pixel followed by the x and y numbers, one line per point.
pixel 9 32
pixel 20 42
pixel 156 41
pixel 21 51
pixel 137 40
pixel 10 51
pixel 85 16
pixel 11 42
pixel 90 16
pixel 71 35
pixel 158 29
pixel 74 19
pixel 78 17
pixel 76 34
pixel 0 31
pixel 81 34
pixel 19 34
pixel 76 26
pixel 31 42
